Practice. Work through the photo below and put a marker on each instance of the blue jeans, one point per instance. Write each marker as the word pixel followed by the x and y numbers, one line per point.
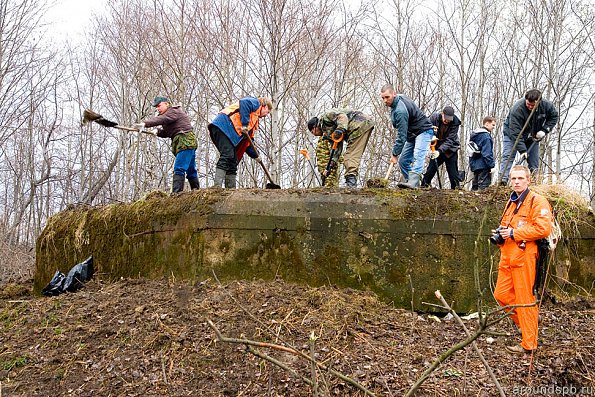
pixel 509 152
pixel 186 163
pixel 413 155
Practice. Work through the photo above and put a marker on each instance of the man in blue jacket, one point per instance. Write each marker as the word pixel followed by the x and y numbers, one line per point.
pixel 540 116
pixel 446 127
pixel 481 154
pixel 228 131
pixel 414 134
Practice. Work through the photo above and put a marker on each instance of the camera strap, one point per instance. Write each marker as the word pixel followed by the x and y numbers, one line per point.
pixel 519 201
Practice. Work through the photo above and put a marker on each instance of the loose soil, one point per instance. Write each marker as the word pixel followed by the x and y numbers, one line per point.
pixel 151 338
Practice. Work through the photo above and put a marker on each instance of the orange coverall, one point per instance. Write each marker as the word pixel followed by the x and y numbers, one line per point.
pixel 516 271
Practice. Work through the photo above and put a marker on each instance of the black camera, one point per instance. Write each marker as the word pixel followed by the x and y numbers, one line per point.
pixel 496 238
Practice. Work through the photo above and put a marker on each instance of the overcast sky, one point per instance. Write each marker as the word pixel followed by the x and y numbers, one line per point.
pixel 68 18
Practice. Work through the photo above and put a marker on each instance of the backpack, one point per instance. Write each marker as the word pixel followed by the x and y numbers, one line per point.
pixel 473 149
pixel 544 247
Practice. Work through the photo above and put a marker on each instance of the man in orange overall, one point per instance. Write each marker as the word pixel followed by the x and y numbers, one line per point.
pixel 526 219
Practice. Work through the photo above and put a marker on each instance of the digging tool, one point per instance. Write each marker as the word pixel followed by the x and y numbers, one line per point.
pixel 270 184
pixel 304 152
pixel 333 158
pixel 91 116
pixel 380 182
pixel 523 157
pixel 433 150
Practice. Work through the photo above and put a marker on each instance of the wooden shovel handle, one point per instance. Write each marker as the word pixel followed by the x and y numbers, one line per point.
pixel 390 168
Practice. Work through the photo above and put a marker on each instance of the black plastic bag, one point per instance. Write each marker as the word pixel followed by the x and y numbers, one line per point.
pixel 73 281
pixel 56 285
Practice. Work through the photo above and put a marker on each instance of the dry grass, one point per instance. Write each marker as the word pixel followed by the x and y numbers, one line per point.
pixel 562 193
pixel 17 263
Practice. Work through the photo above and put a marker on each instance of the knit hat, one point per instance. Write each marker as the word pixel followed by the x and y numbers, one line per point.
pixel 312 123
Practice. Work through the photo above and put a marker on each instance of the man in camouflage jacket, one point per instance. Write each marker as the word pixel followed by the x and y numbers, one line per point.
pixel 323 155
pixel 344 125
pixel 175 124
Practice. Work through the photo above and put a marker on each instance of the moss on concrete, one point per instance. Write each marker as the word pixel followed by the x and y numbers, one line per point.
pixel 402 245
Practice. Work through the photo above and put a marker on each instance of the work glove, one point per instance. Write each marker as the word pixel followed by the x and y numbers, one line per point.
pixel 435 154
pixel 139 126
pixel 244 130
pixel 539 136
pixel 338 134
pixel 493 170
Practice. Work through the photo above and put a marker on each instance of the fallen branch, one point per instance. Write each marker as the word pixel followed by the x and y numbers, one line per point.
pixel 481 357
pixel 323 367
pixel 282 365
pixel 482 330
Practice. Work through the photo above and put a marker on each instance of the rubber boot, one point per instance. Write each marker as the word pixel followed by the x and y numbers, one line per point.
pixel 193 183
pixel 230 181
pixel 350 181
pixel 219 177
pixel 178 183
pixel 412 183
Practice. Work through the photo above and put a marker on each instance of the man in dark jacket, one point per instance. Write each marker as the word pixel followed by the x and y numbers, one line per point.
pixel 446 127
pixel 541 117
pixel 481 156
pixel 414 133
pixel 175 125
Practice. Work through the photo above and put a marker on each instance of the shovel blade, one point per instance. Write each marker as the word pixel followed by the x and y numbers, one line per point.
pixel 89 115
pixel 271 185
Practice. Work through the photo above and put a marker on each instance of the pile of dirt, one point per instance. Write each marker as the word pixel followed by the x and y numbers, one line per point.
pixel 152 338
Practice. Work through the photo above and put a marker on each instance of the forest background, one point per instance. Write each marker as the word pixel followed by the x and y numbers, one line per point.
pixel 477 55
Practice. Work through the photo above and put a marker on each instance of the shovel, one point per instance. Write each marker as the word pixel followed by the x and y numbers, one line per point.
pixel 433 149
pixel 270 184
pixel 91 116
pixel 304 152
pixel 379 182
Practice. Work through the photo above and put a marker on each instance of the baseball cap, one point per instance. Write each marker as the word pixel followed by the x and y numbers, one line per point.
pixel 158 99
pixel 449 113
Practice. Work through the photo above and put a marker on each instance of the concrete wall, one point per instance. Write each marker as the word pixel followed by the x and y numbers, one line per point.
pixel 403 245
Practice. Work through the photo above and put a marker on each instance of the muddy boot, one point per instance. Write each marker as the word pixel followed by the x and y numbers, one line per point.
pixel 178 183
pixel 230 181
pixel 412 183
pixel 193 183
pixel 350 181
pixel 219 177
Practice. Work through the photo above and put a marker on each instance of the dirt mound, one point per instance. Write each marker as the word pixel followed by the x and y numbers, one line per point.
pixel 151 338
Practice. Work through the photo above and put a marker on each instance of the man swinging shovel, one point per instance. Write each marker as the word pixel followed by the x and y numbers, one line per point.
pixel 91 116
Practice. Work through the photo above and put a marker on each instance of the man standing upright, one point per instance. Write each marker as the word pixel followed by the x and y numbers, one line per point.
pixel 481 157
pixel 414 134
pixel 175 125
pixel 344 125
pixel 526 219
pixel 540 117
pixel 446 127
pixel 228 132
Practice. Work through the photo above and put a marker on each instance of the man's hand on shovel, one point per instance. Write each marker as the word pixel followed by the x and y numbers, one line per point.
pixel 270 184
